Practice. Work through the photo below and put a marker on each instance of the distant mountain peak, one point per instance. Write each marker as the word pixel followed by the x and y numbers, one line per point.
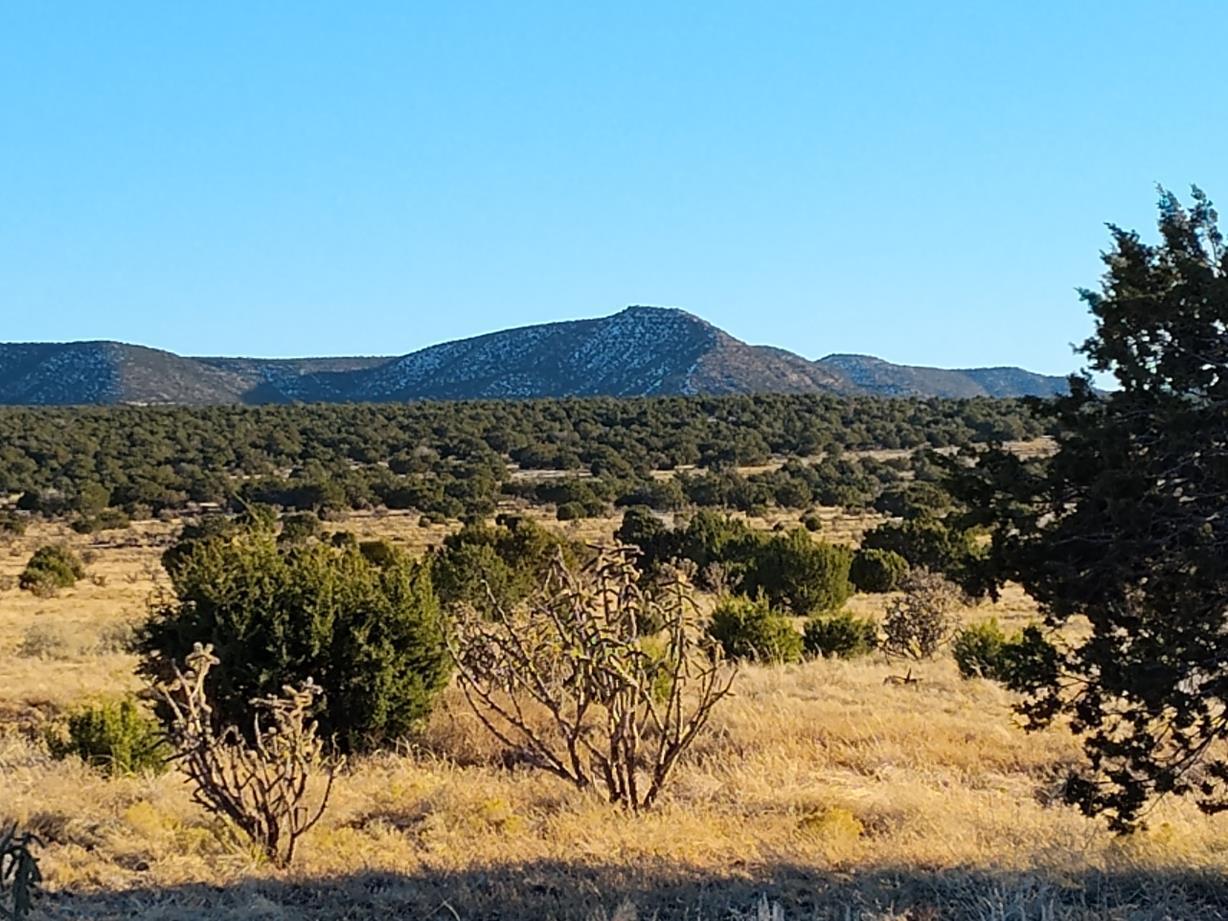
pixel 640 350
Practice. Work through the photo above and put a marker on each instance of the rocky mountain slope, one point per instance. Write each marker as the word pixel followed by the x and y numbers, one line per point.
pixel 636 352
pixel 873 375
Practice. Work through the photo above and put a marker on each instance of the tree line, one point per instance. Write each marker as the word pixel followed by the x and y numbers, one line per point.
pixel 100 466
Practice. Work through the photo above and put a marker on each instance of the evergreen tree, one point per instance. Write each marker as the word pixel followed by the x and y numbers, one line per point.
pixel 1126 525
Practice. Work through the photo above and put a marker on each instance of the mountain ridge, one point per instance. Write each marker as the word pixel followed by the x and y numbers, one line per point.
pixel 638 351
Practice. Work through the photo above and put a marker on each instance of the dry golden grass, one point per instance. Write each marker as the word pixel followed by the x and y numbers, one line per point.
pixel 819 792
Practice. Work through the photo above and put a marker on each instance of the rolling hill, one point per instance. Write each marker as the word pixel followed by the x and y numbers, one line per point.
pixel 639 351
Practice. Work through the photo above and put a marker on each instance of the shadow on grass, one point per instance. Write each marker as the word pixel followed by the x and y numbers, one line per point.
pixel 564 891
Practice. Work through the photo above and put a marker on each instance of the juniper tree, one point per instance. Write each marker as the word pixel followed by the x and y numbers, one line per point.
pixel 1127 524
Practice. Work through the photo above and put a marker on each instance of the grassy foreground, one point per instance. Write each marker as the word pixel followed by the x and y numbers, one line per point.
pixel 820 792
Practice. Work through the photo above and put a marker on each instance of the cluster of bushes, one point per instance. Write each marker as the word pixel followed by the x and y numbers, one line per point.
pixel 928 542
pixel 985 650
pixel 51 568
pixel 791 570
pixel 483 566
pixel 752 630
pixel 451 459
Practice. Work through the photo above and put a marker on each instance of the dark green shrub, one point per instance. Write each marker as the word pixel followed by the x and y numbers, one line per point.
pixel 300 528
pixel 796 572
pixel 343 539
pixel 925 542
pixel 571 511
pixel 812 522
pixel 109 519
pixel 51 568
pixel 643 529
pixel 474 573
pixel 117 737
pixel 369 633
pixel 749 629
pixel 377 552
pixel 843 635
pixel 506 561
pixel 877 570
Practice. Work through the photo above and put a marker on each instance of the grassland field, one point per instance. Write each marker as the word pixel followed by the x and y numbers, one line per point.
pixel 820 792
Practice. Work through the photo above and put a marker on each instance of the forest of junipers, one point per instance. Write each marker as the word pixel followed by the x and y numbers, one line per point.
pixel 98 466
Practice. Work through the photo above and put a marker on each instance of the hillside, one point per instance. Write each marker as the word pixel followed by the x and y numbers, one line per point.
pixel 882 378
pixel 639 351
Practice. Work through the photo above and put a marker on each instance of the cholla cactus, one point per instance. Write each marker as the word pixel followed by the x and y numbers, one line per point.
pixel 622 707
pixel 261 785
pixel 19 873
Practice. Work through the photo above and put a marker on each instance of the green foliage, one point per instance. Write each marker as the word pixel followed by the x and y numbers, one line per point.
pixel 915 499
pixel 651 536
pixel 1125 525
pixel 926 542
pixel 877 570
pixel 107 519
pixel 450 459
pixel 812 522
pixel 116 736
pixel 984 650
pixel 52 567
pixel 843 635
pixel 796 572
pixel 573 511
pixel 300 528
pixel 749 629
pixel 480 565
pixel 977 649
pixel 370 634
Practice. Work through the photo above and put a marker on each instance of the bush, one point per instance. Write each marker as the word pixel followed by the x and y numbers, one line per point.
pixel 925 542
pixel 984 650
pixel 300 528
pixel 45 641
pixel 842 635
pixel 749 629
pixel 109 519
pixel 51 568
pixel 116 737
pixel 571 511
pixel 977 649
pixel 918 623
pixel 507 561
pixel 796 572
pixel 643 529
pixel 877 570
pixel 370 634
pixel 812 522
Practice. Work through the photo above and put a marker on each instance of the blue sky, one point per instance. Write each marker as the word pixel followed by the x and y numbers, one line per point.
pixel 927 182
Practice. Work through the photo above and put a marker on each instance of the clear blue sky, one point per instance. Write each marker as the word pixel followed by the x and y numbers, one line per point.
pixel 924 181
